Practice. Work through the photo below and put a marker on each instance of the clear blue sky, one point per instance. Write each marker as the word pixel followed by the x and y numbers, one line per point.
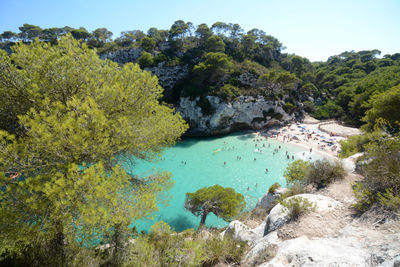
pixel 315 29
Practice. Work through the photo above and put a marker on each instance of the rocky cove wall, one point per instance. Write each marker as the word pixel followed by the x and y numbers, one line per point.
pixel 224 117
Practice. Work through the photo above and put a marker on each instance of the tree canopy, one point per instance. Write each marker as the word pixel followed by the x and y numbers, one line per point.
pixel 223 202
pixel 77 119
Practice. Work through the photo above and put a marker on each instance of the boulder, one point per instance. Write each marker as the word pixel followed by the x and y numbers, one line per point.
pixel 241 232
pixel 302 251
pixel 279 214
pixel 269 199
pixel 262 249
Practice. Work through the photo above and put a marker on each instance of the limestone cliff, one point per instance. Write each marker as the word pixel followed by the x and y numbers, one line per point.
pixel 220 117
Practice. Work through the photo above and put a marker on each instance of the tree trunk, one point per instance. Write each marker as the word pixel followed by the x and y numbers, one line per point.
pixel 203 218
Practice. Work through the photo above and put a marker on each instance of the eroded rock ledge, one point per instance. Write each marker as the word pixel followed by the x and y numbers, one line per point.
pixel 220 117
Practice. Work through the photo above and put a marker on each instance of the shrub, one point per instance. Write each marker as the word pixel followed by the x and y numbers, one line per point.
pixel 273 188
pixel 146 60
pixel 289 107
pixel 228 92
pixel 389 200
pixel 296 172
pixel 224 250
pixel 364 197
pixel 321 172
pixel 295 189
pixel 356 143
pixel 298 206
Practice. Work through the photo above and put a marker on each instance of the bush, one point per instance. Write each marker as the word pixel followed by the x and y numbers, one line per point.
pixel 273 188
pixel 289 107
pixel 295 189
pixel 228 92
pixel 296 172
pixel 356 143
pixel 224 250
pixel 298 206
pixel 322 172
pixel 381 184
pixel 146 60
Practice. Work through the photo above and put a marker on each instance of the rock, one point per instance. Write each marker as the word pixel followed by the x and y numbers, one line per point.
pixel 244 113
pixel 259 253
pixel 168 76
pixel 279 214
pixel 123 56
pixel 349 164
pixel 241 232
pixel 302 251
pixel 267 201
pixel 396 261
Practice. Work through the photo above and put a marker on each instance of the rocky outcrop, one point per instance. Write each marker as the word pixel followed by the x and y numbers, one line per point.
pixel 220 117
pixel 241 232
pixel 169 75
pixel 279 214
pixel 302 251
pixel 268 201
pixel 123 56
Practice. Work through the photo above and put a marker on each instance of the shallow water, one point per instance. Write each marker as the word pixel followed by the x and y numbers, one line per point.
pixel 197 163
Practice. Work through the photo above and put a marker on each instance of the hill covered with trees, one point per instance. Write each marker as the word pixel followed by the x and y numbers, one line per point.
pixel 224 60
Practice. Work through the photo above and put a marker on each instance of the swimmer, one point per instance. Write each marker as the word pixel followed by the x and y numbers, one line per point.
pixel 256 185
pixel 303 153
pixel 248 188
pixel 266 170
pixel 287 156
pixel 310 150
pixel 255 159
pixel 279 147
pixel 269 145
pixel 224 162
pixel 292 157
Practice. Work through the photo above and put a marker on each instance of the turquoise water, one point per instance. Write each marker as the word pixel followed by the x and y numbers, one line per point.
pixel 205 166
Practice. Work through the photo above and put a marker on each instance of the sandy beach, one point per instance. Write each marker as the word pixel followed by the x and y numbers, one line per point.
pixel 320 137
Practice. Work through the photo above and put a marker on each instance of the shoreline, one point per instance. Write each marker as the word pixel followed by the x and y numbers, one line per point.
pixel 308 135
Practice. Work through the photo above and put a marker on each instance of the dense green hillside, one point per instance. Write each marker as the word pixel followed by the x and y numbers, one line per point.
pixel 220 57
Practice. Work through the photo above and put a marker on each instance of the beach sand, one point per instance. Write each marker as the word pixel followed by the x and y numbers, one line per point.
pixel 322 137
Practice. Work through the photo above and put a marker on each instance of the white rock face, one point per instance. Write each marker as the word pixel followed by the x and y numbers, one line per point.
pixel 279 214
pixel 257 253
pixel 241 232
pixel 267 201
pixel 349 164
pixel 247 112
pixel 302 251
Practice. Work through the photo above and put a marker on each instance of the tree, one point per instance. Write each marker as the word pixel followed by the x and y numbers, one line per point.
pixel 214 67
pixel 296 172
pixel 81 34
pixel 148 43
pixel 215 44
pixel 29 32
pixel 146 60
pixel 385 106
pixel 102 35
pixel 223 202
pixel 81 119
pixel 203 32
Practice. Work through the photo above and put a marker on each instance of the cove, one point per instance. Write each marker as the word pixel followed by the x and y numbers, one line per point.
pixel 197 163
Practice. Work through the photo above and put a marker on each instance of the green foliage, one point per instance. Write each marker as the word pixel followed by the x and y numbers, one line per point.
pixel 328 110
pixel 215 66
pixel 68 149
pixel 296 172
pixel 148 43
pixel 297 206
pixel 215 44
pixel 319 173
pixel 164 247
pixel 294 189
pixel 364 197
pixel 228 92
pixel 289 107
pixel 146 60
pixel 382 174
pixel 389 200
pixel 223 202
pixel 322 172
pixel 273 188
pixel 385 106
pixel 356 143
pixel 278 82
